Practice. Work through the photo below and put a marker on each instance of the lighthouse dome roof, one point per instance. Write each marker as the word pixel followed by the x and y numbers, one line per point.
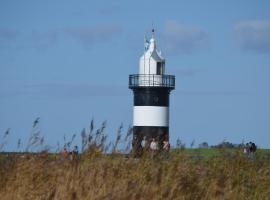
pixel 152 52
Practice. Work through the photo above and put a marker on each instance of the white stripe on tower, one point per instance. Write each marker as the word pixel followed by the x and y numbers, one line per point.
pixel 151 116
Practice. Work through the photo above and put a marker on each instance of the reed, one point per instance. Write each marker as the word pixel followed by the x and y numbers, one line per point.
pixel 103 172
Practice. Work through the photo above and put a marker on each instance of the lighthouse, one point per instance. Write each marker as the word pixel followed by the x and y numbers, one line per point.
pixel 151 88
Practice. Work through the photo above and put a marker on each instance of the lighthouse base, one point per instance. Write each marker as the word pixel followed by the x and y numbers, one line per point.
pixel 160 134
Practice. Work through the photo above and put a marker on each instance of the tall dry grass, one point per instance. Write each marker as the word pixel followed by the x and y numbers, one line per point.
pixel 96 175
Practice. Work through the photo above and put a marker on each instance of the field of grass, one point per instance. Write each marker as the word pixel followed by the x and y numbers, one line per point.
pixel 209 152
pixel 229 175
pixel 181 174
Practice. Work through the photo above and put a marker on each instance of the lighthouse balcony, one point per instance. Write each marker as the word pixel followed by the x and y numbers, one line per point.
pixel 151 80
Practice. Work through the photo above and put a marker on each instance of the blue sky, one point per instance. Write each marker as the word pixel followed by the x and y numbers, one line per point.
pixel 68 62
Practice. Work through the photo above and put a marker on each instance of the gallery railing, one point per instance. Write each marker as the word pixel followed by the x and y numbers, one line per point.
pixel 151 80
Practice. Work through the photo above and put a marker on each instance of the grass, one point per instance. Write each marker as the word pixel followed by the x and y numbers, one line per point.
pixel 181 174
pixel 264 151
pixel 204 152
pixel 210 152
pixel 98 176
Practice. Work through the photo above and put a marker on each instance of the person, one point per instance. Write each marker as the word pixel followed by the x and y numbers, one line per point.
pixel 247 149
pixel 250 149
pixel 134 142
pixel 75 150
pixel 166 146
pixel 136 146
pixel 75 153
pixel 143 142
pixel 153 147
pixel 253 149
pixel 64 153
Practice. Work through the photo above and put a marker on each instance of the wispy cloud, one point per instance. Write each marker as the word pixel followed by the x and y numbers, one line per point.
pixel 8 34
pixel 186 72
pixel 182 39
pixel 110 10
pixel 63 90
pixel 214 93
pixel 253 35
pixel 88 36
pixel 43 40
pixel 74 90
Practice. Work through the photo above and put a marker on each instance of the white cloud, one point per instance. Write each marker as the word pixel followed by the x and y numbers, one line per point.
pixel 183 39
pixel 253 35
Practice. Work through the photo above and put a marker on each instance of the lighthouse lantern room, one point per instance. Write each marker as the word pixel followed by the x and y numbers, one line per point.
pixel 151 88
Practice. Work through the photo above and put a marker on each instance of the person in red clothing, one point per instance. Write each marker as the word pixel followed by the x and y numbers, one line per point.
pixel 65 153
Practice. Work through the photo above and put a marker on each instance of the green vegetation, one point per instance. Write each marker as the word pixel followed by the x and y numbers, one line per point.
pixel 209 152
pixel 204 152
pixel 264 151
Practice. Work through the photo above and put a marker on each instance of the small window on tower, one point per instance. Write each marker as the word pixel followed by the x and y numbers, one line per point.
pixel 159 68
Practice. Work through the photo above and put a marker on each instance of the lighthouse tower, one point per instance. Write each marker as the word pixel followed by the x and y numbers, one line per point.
pixel 151 88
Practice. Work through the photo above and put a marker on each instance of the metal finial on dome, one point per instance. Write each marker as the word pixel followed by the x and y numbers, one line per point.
pixel 153 31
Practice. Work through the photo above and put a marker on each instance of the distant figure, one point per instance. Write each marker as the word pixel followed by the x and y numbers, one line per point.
pixel 153 148
pixel 64 153
pixel 143 142
pixel 154 145
pixel 246 149
pixel 166 146
pixel 250 149
pixel 165 149
pixel 253 147
pixel 75 153
pixel 75 150
pixel 134 141
pixel 136 146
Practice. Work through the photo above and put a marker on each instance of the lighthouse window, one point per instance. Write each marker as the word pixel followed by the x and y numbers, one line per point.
pixel 159 68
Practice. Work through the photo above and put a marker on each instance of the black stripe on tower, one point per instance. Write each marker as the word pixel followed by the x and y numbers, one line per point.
pixel 151 96
pixel 160 133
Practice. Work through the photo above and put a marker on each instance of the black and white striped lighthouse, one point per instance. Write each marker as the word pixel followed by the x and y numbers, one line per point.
pixel 151 88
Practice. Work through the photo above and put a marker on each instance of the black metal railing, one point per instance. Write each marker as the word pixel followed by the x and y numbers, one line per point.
pixel 151 80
